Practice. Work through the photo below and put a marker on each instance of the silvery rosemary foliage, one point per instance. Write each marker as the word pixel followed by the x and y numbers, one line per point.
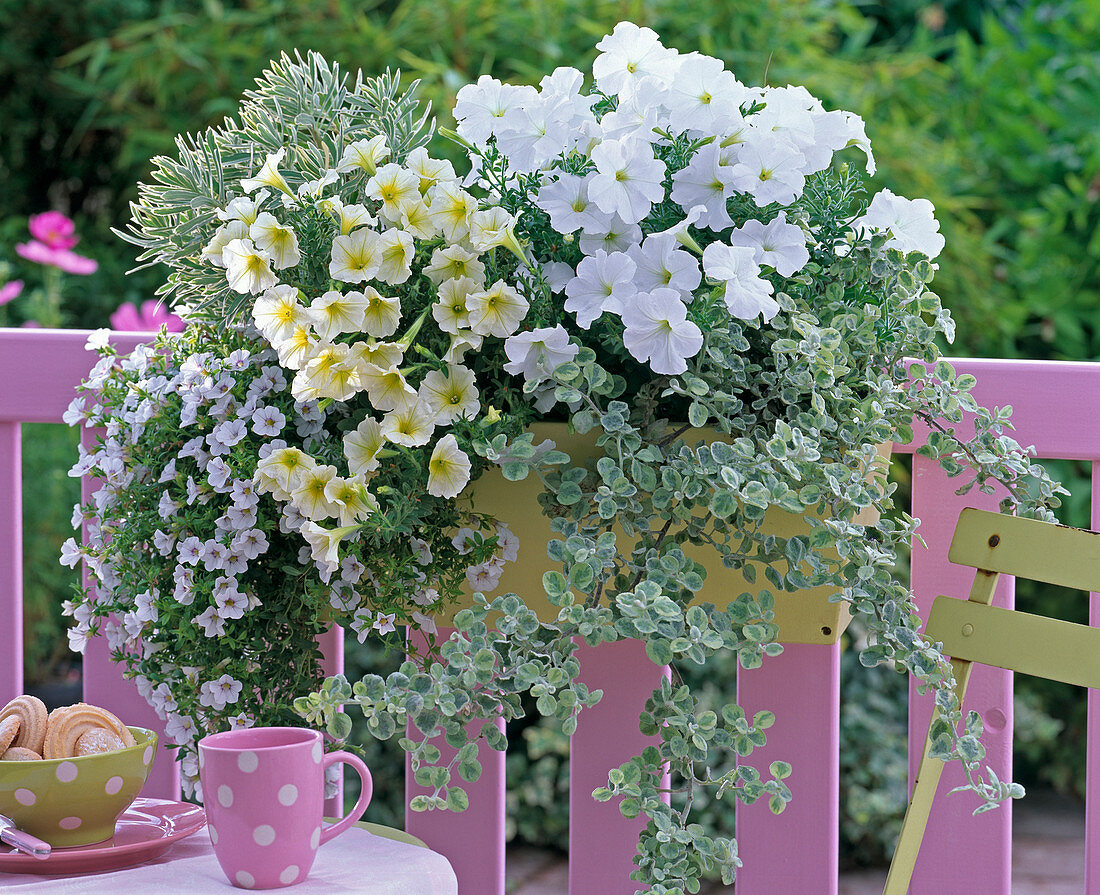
pixel 667 251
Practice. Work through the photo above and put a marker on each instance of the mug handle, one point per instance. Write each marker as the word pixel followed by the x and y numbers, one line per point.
pixel 365 793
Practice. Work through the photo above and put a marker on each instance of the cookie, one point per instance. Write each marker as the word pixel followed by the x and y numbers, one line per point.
pixel 32 715
pixel 68 724
pixel 9 729
pixel 98 740
pixel 19 753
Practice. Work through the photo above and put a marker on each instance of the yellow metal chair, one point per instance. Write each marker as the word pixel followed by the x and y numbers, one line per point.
pixel 973 630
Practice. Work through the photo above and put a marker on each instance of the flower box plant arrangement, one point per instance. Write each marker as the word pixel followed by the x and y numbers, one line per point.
pixel 661 251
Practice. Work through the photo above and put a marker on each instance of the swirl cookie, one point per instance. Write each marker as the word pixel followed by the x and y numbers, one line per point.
pixel 67 725
pixel 19 753
pixel 98 740
pixel 9 729
pixel 33 718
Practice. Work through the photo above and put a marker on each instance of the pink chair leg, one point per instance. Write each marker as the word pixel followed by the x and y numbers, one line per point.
pixel 961 852
pixel 602 843
pixel 11 564
pixel 472 841
pixel 796 851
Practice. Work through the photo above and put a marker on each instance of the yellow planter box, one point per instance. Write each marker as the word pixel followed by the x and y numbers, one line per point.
pixel 805 616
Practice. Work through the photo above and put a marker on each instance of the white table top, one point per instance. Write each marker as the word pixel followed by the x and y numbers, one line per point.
pixel 355 861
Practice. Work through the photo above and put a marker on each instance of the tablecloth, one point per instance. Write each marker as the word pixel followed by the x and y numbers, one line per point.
pixel 357 861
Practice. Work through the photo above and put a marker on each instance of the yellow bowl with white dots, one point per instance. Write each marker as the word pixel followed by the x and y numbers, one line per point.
pixel 76 801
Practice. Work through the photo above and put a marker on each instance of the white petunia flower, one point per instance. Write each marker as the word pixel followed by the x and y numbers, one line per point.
pixel 324 542
pixel 630 53
pixel 295 348
pixel 269 175
pixel 355 503
pixel 409 425
pixel 451 397
pixel 481 108
pixel 494 227
pixel 769 169
pixel 705 181
pixel 746 293
pixel 212 251
pixel 430 170
pixel 386 387
pixel 661 262
pixel 277 311
pixel 603 283
pixel 778 244
pixel 308 495
pixel 365 154
pixel 243 209
pixel 658 332
pixel 537 353
pixel 498 311
pixel 566 201
pixel 278 240
pixel 613 235
pixel 335 313
pixel 396 251
pixel 461 343
pixel 329 371
pixel 452 263
pixel 911 223
pixel 628 179
pixel 362 445
pixel 703 96
pixel 448 468
pixel 395 187
pixel 247 269
pixel 356 256
pixel 417 220
pixel 381 315
pixel 450 311
pixel 450 208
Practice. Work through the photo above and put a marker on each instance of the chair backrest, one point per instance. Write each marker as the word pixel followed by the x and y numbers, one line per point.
pixel 973 630
pixel 1030 644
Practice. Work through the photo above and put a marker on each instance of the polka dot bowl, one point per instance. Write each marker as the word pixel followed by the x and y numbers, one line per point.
pixel 76 801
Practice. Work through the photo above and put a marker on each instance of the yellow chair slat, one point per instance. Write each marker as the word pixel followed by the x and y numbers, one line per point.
pixel 1027 548
pixel 1031 644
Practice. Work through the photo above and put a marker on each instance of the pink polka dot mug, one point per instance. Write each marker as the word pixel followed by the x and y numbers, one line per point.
pixel 263 789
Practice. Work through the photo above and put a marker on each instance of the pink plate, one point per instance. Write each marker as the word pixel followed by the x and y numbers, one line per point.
pixel 144 830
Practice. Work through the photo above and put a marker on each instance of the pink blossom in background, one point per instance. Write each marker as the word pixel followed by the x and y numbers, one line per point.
pixel 150 318
pixel 52 244
pixel 9 290
pixel 54 229
pixel 70 262
pixel 31 324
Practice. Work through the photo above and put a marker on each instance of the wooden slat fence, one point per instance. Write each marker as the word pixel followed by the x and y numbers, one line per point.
pixel 795 852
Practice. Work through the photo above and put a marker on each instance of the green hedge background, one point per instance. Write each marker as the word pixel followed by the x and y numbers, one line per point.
pixel 987 108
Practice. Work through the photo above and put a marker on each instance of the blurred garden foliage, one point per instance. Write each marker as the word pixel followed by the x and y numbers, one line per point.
pixel 987 108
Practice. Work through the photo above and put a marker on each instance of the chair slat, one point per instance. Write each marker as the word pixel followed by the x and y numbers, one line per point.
pixel 1030 644
pixel 1027 548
